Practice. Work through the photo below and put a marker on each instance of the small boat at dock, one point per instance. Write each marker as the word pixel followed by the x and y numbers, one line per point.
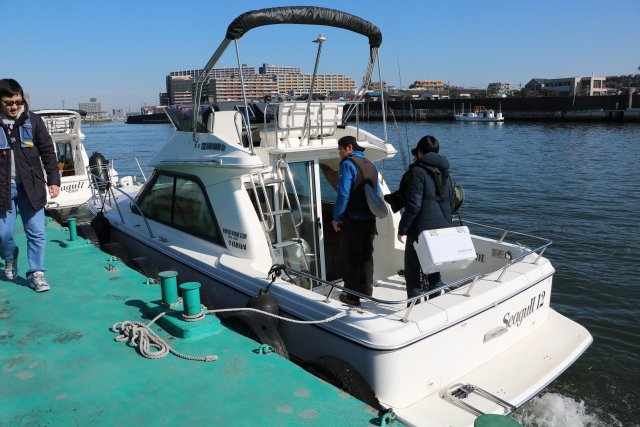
pixel 479 114
pixel 76 167
pixel 241 201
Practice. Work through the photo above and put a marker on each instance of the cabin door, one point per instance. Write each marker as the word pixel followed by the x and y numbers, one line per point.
pixel 305 199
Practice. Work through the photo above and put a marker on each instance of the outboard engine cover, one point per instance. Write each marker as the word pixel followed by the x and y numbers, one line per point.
pixel 99 169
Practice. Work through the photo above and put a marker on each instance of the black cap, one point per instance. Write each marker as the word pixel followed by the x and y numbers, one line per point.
pixel 350 140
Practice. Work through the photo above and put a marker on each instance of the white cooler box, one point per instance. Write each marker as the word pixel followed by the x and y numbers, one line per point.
pixel 445 249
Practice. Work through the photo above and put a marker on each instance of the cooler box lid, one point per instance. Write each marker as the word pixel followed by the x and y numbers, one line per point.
pixel 445 249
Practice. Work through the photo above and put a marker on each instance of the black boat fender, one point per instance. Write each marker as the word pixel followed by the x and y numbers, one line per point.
pixel 264 301
pixel 102 228
pixel 341 374
pixel 256 326
pixel 99 166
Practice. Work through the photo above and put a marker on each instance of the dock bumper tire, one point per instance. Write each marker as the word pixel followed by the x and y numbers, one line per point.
pixel 341 374
pixel 259 328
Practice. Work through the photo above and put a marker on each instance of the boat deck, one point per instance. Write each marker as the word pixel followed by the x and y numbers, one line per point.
pixel 62 366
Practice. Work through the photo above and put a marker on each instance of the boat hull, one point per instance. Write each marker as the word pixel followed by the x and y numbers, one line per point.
pixel 411 378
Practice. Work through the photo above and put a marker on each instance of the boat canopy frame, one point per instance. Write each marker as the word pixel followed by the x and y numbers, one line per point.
pixel 305 15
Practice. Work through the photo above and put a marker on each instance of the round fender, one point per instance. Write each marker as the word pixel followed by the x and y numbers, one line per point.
pixel 102 227
pixel 341 374
pixel 257 327
pixel 117 250
pixel 145 266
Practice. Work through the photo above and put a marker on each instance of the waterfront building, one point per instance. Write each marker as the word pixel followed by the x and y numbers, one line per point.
pixel 95 110
pixel 270 70
pixel 589 86
pixel 499 89
pixel 224 84
pixel 429 85
pixel 180 89
pixel 230 89
pixel 299 84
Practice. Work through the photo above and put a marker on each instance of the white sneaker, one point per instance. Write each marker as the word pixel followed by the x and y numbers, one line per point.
pixel 10 268
pixel 37 282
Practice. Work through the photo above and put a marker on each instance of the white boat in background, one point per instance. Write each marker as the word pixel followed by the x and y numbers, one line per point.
pixel 479 114
pixel 243 205
pixel 75 166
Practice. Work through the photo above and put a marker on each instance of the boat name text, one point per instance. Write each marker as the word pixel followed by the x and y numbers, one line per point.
pixel 516 318
pixel 72 188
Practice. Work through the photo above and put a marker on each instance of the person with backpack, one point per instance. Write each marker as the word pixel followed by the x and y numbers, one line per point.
pixel 354 220
pixel 27 153
pixel 428 204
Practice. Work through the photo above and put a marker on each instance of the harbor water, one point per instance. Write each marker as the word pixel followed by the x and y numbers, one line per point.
pixel 576 184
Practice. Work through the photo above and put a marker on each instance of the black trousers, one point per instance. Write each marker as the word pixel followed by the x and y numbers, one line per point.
pixel 356 254
pixel 413 272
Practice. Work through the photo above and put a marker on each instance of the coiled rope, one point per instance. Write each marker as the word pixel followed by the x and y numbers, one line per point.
pixel 140 336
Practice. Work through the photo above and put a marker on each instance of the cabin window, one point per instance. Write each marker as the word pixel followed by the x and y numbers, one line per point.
pixel 181 202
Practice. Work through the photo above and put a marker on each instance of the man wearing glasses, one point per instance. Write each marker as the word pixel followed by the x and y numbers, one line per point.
pixel 25 149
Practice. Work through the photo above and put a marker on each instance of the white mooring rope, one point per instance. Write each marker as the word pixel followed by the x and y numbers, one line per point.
pixel 144 339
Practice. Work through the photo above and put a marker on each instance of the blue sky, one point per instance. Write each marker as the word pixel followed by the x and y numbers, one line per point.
pixel 120 51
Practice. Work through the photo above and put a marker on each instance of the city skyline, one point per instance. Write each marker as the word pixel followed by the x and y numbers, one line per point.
pixel 121 52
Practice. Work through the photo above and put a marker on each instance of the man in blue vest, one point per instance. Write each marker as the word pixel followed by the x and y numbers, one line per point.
pixel 25 149
pixel 353 218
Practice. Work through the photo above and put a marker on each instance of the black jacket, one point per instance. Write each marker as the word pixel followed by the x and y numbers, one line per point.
pixel 422 211
pixel 30 162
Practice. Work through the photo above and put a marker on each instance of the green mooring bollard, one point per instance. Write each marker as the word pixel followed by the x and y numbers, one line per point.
pixel 169 286
pixel 73 231
pixel 191 298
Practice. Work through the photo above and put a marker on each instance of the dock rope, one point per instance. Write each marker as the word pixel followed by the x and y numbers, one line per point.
pixel 286 319
pixel 140 336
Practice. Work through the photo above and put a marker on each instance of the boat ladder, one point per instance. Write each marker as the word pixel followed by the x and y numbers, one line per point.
pixel 458 392
pixel 281 221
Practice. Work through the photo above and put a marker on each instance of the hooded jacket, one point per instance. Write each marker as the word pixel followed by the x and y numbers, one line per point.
pixel 30 160
pixel 422 211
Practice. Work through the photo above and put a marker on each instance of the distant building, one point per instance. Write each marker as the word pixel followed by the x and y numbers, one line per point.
pixel 270 70
pixel 590 86
pixel 429 85
pixel 94 108
pixel 498 89
pixel 223 84
pixel 180 89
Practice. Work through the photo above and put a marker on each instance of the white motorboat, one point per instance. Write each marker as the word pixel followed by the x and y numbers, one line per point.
pixel 480 114
pixel 242 204
pixel 75 166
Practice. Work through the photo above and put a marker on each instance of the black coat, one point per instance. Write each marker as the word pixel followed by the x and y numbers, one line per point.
pixel 422 211
pixel 30 162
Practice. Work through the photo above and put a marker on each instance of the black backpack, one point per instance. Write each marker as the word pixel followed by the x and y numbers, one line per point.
pixel 458 191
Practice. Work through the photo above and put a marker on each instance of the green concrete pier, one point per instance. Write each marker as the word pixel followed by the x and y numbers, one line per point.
pixel 60 364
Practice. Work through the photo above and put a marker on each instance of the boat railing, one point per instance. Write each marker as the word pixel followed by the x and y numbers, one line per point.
pixel 99 182
pixel 470 280
pixel 302 120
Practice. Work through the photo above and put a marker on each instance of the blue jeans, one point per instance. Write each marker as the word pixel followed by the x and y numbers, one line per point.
pixel 33 222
